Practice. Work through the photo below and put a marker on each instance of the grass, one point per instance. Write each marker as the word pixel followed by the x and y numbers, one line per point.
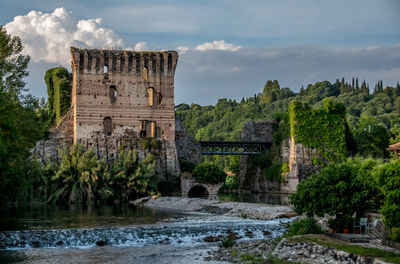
pixel 326 241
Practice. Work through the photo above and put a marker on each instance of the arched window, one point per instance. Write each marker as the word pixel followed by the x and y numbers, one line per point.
pixel 113 94
pixel 107 126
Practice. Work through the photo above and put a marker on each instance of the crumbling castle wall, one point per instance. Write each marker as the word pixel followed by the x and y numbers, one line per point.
pixel 295 154
pixel 119 96
pixel 300 163
pixel 186 146
pixel 250 174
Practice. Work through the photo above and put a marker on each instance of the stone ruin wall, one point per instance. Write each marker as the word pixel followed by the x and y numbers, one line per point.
pixel 298 157
pixel 300 163
pixel 250 175
pixel 186 146
pixel 117 97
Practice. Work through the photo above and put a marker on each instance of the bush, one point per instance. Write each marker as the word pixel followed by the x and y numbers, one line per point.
pixel 337 191
pixel 303 227
pixel 232 182
pixel 208 173
pixel 227 242
pixel 186 165
pixel 395 234
pixel 388 175
pixel 274 172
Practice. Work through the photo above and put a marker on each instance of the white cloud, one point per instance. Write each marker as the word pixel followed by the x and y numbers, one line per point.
pixel 213 75
pixel 217 45
pixel 140 46
pixel 182 49
pixel 48 37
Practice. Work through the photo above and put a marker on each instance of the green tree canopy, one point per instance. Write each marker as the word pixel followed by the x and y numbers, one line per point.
pixel 13 65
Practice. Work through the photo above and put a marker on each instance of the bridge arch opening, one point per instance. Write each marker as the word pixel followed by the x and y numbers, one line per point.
pixel 198 191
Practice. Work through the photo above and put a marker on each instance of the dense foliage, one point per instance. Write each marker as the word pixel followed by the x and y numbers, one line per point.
pixel 21 123
pixel 208 173
pixel 225 120
pixel 83 177
pixel 322 129
pixel 388 177
pixel 59 92
pixel 13 65
pixel 353 186
pixel 337 190
pixel 304 226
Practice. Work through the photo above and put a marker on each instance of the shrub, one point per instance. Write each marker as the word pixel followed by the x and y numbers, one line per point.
pixel 231 182
pixel 186 165
pixel 303 227
pixel 208 173
pixel 388 175
pixel 395 234
pixel 274 172
pixel 337 191
pixel 227 242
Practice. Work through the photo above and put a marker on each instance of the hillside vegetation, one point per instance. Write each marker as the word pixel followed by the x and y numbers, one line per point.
pixel 373 117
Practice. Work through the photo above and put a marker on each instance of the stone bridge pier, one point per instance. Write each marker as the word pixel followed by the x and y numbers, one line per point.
pixel 192 189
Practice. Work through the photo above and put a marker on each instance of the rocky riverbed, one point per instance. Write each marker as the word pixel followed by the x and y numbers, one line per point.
pixel 245 210
pixel 305 252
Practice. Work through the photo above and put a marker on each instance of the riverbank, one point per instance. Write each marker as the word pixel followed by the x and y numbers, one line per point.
pixel 303 249
pixel 244 210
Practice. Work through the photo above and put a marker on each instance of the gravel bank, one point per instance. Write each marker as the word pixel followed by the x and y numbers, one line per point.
pixel 259 251
pixel 245 210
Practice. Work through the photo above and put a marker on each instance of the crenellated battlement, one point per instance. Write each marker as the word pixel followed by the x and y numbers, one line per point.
pixel 155 63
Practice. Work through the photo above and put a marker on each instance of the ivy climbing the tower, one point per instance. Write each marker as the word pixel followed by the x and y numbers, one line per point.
pixel 322 129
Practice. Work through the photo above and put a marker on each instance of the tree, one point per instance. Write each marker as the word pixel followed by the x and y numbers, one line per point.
pixel 337 191
pixel 208 173
pixel 388 176
pixel 13 65
pixel 20 126
pixel 372 138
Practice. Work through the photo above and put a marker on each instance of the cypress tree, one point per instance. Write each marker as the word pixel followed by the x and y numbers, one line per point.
pixel 357 87
pixel 398 105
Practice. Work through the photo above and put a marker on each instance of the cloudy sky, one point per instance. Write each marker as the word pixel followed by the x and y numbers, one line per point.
pixel 228 48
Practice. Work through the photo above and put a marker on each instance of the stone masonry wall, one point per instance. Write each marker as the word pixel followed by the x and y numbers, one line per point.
pixel 186 146
pixel 117 97
pixel 250 178
pixel 300 163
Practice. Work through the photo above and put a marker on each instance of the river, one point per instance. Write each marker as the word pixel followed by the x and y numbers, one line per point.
pixel 119 234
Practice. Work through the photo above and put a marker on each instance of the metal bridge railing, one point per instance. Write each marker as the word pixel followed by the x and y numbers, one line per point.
pixel 233 148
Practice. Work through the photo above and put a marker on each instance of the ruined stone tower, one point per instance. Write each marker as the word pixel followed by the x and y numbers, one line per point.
pixel 119 96
pixel 123 93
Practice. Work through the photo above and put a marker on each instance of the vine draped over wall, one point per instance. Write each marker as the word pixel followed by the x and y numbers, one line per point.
pixel 322 129
pixel 59 91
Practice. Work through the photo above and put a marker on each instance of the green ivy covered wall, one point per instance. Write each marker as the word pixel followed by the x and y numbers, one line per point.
pixel 324 129
pixel 59 92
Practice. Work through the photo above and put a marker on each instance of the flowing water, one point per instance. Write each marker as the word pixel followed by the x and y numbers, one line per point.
pixel 118 234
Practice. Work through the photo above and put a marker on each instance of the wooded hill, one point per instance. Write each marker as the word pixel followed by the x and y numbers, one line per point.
pixel 373 117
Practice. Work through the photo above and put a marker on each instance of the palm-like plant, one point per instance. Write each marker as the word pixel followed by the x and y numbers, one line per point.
pixel 77 175
pixel 131 177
